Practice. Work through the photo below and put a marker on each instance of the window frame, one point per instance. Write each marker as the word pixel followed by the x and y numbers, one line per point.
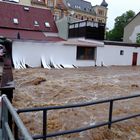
pixel 101 12
pixel 50 3
pixel 86 50
pixel 36 23
pixel 15 21
pixel 121 52
pixel 47 24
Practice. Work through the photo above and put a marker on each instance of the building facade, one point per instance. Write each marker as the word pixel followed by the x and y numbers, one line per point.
pixel 83 10
pixel 132 30
pixel 57 7
pixel 78 9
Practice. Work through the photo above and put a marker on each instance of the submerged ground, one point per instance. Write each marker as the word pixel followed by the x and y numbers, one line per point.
pixel 42 87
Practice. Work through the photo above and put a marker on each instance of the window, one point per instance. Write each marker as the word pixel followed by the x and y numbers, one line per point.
pixel 26 8
pixel 85 53
pixel 50 3
pixel 15 20
pixel 36 23
pixel 121 52
pixel 47 24
pixel 42 2
pixel 99 20
pixel 101 12
pixel 56 17
pixel 15 1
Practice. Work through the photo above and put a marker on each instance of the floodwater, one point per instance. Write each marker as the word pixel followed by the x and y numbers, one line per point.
pixel 41 87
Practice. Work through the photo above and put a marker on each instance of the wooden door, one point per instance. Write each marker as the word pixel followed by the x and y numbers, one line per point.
pixel 134 59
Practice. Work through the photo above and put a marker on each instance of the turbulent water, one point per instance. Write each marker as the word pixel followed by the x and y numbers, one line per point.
pixel 42 87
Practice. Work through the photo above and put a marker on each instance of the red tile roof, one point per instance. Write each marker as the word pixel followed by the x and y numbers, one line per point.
pixel 54 39
pixel 26 18
pixel 27 35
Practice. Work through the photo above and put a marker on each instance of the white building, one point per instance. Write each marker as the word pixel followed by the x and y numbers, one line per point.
pixel 36 43
pixel 75 52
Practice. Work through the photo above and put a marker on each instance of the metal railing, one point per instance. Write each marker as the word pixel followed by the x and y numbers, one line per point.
pixel 110 121
pixel 7 131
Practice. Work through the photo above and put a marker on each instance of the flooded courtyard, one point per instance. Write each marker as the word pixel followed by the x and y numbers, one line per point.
pixel 41 87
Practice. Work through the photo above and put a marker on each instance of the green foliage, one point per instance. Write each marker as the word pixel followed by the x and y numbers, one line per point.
pixel 138 38
pixel 116 34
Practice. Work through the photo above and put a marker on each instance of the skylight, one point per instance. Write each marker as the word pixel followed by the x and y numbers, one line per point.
pixel 36 23
pixel 16 1
pixel 15 21
pixel 47 24
pixel 26 8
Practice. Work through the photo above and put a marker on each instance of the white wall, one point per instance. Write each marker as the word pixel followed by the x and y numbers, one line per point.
pixel 32 51
pixel 110 55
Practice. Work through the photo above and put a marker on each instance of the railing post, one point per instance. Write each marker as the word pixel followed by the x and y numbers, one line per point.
pixel 44 124
pixel 4 120
pixel 110 114
pixel 15 131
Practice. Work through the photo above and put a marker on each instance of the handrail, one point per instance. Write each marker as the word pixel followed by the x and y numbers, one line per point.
pixel 76 105
pixel 7 107
pixel 99 124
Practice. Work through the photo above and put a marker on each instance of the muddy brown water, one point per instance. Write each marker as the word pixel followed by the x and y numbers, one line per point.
pixel 41 87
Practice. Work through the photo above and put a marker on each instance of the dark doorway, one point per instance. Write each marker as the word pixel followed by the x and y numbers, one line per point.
pixel 134 59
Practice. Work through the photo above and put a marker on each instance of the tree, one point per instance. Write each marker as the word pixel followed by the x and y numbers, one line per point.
pixel 116 34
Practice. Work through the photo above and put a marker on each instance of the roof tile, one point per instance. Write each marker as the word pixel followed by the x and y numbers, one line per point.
pixel 26 18
pixel 27 35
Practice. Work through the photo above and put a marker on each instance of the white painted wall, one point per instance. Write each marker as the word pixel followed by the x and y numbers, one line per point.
pixel 32 51
pixel 110 55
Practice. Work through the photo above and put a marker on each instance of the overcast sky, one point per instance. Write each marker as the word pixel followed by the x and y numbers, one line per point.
pixel 117 8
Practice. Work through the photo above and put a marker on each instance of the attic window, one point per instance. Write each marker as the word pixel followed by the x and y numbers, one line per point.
pixel 47 24
pixel 36 23
pixel 26 8
pixel 16 1
pixel 15 20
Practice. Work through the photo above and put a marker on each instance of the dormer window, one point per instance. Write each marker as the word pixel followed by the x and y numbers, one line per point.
pixel 15 21
pixel 16 1
pixel 26 8
pixel 36 23
pixel 47 24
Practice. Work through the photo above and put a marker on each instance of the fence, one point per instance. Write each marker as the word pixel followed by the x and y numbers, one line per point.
pixel 110 121
pixel 7 132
